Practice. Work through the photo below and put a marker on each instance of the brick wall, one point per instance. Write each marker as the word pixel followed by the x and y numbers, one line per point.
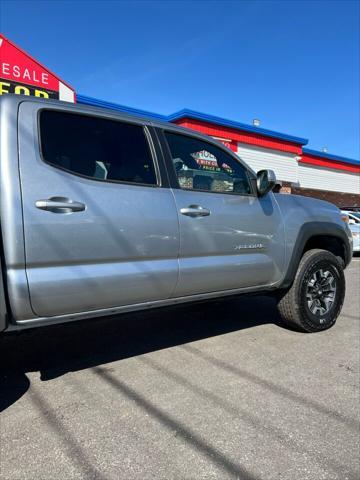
pixel 340 199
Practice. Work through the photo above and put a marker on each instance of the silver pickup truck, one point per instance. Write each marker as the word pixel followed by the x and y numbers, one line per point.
pixel 103 213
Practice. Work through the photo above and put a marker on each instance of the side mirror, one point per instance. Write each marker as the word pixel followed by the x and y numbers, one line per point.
pixel 352 221
pixel 265 181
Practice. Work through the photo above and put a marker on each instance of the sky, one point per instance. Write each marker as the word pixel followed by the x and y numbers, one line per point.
pixel 292 64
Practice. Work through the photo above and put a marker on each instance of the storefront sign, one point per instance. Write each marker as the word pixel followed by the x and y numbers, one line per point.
pixel 228 143
pixel 22 75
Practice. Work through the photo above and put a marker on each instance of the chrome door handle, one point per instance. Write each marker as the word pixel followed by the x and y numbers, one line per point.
pixel 195 211
pixel 60 205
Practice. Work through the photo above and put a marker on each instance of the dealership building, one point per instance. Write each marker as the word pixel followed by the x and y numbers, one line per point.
pixel 298 169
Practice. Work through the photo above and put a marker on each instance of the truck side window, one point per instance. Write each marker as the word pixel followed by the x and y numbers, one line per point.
pixel 202 166
pixel 95 147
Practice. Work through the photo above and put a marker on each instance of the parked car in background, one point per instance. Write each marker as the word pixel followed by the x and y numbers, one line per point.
pixel 355 230
pixel 354 224
pixel 354 217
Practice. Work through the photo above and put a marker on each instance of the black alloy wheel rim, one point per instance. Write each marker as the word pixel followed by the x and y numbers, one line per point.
pixel 321 292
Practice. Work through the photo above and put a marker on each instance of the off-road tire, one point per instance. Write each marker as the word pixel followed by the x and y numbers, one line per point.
pixel 293 304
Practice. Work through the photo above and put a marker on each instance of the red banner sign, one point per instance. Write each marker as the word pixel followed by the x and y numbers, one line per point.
pixel 23 75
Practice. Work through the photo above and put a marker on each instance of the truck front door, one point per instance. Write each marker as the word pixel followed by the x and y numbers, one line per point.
pixel 229 237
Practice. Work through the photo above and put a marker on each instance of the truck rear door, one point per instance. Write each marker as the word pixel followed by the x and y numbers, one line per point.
pixel 100 226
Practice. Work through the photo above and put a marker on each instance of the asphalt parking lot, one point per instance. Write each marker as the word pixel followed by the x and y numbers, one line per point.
pixel 210 391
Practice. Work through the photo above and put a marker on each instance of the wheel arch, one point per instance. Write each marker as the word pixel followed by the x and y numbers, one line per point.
pixel 325 235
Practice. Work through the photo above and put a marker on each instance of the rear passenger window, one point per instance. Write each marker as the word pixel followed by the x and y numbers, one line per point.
pixel 96 147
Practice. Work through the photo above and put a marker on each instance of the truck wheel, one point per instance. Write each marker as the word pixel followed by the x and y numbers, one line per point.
pixel 314 300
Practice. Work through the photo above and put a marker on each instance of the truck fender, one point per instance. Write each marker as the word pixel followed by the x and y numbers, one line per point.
pixel 306 232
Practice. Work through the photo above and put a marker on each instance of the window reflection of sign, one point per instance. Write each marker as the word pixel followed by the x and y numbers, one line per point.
pixel 210 168
pixel 205 163
pixel 226 167
pixel 204 158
